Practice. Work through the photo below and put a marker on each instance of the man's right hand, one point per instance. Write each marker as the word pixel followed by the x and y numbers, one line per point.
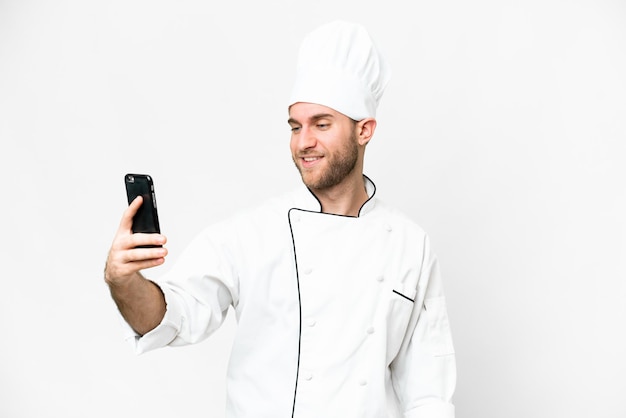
pixel 139 300
pixel 125 260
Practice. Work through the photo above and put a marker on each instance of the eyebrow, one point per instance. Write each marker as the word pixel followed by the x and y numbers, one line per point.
pixel 312 119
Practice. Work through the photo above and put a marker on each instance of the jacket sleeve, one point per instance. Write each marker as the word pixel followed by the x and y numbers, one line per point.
pixel 198 292
pixel 424 371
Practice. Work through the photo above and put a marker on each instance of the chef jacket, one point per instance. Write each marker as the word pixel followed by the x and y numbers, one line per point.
pixel 337 316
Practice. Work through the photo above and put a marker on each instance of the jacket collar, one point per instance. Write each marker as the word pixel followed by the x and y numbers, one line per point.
pixel 306 200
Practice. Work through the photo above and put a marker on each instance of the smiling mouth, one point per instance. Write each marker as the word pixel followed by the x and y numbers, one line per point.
pixel 309 161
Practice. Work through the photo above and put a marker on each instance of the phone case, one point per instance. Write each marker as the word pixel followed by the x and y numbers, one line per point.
pixel 146 220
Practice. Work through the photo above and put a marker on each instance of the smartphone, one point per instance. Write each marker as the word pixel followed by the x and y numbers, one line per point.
pixel 146 220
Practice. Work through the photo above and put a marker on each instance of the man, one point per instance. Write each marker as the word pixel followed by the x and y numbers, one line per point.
pixel 338 298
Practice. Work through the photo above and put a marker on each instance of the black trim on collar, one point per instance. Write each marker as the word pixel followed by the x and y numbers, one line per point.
pixel 369 198
pixel 335 214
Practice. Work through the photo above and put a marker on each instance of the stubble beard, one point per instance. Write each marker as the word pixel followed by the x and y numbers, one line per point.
pixel 339 166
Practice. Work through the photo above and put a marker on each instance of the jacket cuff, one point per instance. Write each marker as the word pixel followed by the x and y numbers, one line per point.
pixel 162 334
pixel 431 410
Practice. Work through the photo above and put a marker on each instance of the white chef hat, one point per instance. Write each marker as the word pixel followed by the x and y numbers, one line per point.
pixel 340 67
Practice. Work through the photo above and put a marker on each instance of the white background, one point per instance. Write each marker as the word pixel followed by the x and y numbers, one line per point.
pixel 502 133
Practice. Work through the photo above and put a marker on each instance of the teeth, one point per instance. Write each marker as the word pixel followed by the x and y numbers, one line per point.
pixel 309 159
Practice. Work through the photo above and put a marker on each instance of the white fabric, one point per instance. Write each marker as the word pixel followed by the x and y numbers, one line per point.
pixel 340 67
pixel 322 303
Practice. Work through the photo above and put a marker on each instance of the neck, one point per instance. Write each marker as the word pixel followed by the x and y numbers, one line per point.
pixel 346 198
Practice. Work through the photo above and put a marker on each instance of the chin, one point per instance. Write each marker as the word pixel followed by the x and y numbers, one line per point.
pixel 310 182
pixel 319 184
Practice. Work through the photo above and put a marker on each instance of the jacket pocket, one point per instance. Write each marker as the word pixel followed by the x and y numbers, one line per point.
pixel 438 326
pixel 399 312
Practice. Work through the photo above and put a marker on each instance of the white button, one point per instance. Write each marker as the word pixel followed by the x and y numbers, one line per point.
pixel 370 330
pixel 308 270
pixel 388 228
pixel 380 278
pixel 362 382
pixel 310 322
pixel 307 375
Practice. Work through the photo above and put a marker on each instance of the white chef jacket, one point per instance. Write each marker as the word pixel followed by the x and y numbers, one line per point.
pixel 337 316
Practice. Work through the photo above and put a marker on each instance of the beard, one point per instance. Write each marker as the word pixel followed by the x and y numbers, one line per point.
pixel 338 166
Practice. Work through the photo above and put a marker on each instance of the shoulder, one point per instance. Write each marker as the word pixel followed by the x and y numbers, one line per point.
pixel 397 218
pixel 266 214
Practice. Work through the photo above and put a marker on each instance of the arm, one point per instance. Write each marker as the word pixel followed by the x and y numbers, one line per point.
pixel 139 300
pixel 424 372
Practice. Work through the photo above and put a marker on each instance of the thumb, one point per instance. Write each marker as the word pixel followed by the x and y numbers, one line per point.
pixel 126 223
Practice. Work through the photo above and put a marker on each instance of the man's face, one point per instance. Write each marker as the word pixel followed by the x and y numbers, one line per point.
pixel 323 145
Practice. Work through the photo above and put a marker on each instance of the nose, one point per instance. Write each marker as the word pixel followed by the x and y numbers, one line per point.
pixel 305 139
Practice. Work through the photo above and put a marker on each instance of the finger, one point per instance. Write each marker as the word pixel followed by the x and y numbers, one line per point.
pixel 127 218
pixel 125 240
pixel 137 266
pixel 139 255
pixel 146 264
pixel 141 239
pixel 115 272
pixel 121 263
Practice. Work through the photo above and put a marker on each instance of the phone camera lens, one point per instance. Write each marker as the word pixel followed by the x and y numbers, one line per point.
pixel 131 179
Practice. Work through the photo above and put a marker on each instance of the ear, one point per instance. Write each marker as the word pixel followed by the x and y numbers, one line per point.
pixel 365 130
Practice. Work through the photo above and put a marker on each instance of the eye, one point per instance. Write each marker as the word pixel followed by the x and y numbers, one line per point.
pixel 295 129
pixel 323 125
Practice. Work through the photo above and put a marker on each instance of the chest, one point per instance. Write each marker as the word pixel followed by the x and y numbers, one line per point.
pixel 341 263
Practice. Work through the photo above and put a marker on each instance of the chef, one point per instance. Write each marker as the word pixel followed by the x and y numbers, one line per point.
pixel 338 297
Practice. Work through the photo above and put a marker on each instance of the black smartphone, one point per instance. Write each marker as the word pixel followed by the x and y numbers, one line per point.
pixel 146 220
